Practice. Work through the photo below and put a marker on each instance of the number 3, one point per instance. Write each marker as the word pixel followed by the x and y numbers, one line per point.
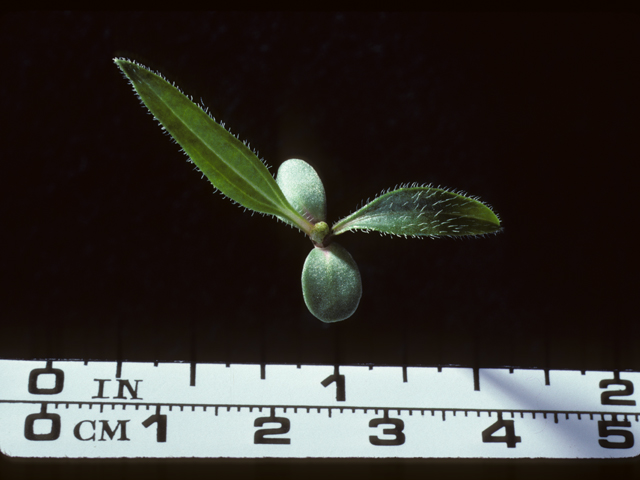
pixel 398 425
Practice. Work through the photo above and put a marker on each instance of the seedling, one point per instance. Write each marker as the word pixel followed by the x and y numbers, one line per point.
pixel 331 283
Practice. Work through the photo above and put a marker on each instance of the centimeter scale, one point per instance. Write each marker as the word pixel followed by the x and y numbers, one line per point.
pixel 99 409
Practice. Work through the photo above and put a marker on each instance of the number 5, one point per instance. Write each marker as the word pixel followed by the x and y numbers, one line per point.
pixel 605 431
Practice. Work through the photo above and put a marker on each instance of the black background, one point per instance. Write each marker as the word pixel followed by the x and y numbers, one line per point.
pixel 113 247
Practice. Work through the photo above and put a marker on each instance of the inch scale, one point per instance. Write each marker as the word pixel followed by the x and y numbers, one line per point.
pixel 61 408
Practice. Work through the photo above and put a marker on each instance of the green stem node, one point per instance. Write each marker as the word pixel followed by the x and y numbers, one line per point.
pixel 319 232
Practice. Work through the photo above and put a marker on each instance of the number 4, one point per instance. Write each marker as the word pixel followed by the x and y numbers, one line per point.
pixel 510 433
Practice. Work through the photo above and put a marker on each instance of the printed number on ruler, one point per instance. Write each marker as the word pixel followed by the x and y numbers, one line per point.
pixel 108 409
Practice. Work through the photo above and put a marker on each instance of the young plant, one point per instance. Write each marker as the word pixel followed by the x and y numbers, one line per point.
pixel 331 283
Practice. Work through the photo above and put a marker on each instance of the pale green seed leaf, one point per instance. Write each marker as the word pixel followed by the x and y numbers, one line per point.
pixel 228 163
pixel 303 188
pixel 417 211
pixel 331 283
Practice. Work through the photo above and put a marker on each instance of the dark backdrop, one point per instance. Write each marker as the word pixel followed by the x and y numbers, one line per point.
pixel 113 247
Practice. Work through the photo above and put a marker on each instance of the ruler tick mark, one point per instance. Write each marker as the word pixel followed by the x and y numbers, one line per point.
pixel 192 374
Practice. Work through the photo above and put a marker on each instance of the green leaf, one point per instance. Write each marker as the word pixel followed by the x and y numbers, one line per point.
pixel 331 283
pixel 419 211
pixel 303 188
pixel 228 163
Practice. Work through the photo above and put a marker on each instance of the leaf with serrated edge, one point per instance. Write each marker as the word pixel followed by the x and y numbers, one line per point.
pixel 420 211
pixel 229 164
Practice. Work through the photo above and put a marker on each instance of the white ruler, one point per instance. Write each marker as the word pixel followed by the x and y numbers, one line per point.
pixel 107 409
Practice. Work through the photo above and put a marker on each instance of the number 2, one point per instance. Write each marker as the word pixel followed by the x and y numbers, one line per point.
pixel 285 425
pixel 605 398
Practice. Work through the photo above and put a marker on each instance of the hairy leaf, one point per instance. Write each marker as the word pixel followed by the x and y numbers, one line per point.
pixel 229 164
pixel 303 188
pixel 331 283
pixel 419 211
